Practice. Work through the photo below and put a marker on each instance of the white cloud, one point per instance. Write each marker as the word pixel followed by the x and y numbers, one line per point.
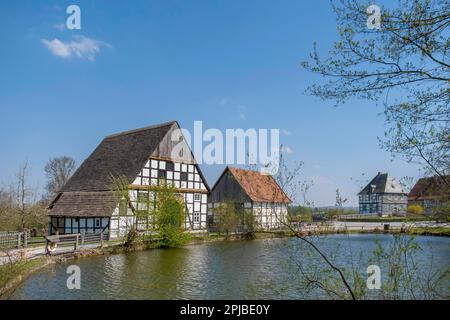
pixel 58 48
pixel 286 132
pixel 80 46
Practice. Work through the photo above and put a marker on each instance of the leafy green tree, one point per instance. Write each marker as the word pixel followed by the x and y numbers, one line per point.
pixel 227 219
pixel 159 208
pixel 403 65
pixel 169 216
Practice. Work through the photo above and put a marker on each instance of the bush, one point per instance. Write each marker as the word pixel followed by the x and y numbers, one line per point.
pixel 170 217
pixel 415 209
pixel 228 219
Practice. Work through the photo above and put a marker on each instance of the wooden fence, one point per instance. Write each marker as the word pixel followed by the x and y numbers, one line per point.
pixel 14 240
pixel 68 241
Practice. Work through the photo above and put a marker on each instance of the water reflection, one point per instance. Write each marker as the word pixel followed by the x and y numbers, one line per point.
pixel 234 270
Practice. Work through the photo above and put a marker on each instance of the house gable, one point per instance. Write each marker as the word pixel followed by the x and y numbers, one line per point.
pixel 227 188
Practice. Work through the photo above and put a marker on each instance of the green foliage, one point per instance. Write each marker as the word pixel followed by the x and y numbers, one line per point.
pixel 300 214
pixel 250 225
pixel 335 212
pixel 169 216
pixel 227 218
pixel 415 209
pixel 11 270
pixel 162 210
pixel 441 211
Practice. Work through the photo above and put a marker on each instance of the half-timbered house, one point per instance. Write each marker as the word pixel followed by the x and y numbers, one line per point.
pixel 383 196
pixel 144 157
pixel 431 193
pixel 251 192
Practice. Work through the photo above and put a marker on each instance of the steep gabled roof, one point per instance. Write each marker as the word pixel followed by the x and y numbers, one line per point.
pixel 123 154
pixel 428 188
pixel 383 183
pixel 259 187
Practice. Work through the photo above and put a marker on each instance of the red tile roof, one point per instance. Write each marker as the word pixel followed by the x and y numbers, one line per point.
pixel 259 187
pixel 429 188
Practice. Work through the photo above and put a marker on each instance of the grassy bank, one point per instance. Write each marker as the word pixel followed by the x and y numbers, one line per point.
pixel 444 232
pixel 13 274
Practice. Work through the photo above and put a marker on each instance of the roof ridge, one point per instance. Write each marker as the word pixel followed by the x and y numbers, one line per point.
pixel 123 133
pixel 247 170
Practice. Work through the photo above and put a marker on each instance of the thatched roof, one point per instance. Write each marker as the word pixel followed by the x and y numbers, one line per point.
pixel 123 154
pixel 87 193
pixel 84 204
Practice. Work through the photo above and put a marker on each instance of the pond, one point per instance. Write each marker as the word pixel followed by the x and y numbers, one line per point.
pixel 258 269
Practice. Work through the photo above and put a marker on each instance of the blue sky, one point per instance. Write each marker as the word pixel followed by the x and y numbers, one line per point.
pixel 231 64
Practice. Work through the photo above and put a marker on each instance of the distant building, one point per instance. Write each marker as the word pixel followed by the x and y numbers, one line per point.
pixel 251 193
pixel 430 193
pixel 383 196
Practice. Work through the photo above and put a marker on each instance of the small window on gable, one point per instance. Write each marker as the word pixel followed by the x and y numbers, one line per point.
pixel 197 197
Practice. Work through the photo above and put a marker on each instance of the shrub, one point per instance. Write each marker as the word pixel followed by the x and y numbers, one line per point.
pixel 415 209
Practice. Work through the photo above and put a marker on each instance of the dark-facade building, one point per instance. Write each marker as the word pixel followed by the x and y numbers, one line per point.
pixel 253 193
pixel 383 196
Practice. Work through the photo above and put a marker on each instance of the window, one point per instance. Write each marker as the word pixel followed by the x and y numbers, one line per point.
pixel 197 197
pixel 183 176
pixel 161 174
pixel 196 217
pixel 170 166
pixel 142 197
pixel 97 222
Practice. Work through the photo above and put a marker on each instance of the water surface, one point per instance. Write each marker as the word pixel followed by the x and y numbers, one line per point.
pixel 260 269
